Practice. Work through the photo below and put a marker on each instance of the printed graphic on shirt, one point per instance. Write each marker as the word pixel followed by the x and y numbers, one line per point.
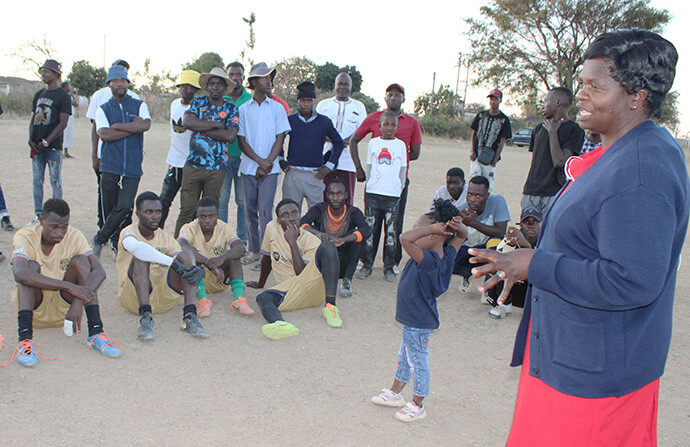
pixel 385 157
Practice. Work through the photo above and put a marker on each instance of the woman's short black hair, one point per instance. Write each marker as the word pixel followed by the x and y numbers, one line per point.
pixel 640 60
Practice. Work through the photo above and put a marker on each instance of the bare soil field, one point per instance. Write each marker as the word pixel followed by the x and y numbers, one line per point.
pixel 238 387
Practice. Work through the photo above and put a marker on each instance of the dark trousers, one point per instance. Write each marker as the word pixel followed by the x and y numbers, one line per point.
pixel 117 200
pixel 400 218
pixel 462 265
pixel 327 263
pixel 380 211
pixel 171 185
pixel 197 183
pixel 99 205
pixel 348 254
pixel 516 296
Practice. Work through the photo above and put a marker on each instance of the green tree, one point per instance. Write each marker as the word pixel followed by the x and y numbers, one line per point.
pixel 247 55
pixel 369 103
pixel 34 52
pixel 671 116
pixel 326 74
pixel 155 83
pixel 205 62
pixel 444 102
pixel 86 79
pixel 289 73
pixel 529 46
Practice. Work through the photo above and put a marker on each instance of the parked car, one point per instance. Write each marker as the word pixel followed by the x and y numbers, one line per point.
pixel 521 137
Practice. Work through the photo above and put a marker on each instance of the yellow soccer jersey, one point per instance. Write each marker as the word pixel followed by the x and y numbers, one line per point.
pixel 275 246
pixel 162 241
pixel 27 245
pixel 223 237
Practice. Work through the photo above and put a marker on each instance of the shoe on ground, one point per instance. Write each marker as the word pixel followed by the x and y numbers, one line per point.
pixel 96 247
pixel 410 412
pixel 257 266
pixel 101 342
pixel 2 257
pixel 364 272
pixel 396 270
pixel 501 311
pixel 190 324
pixel 388 398
pixel 332 315
pixel 346 288
pixel 26 353
pixel 279 330
pixel 242 306
pixel 36 221
pixel 146 328
pixel 68 155
pixel 465 286
pixel 203 307
pixel 486 299
pixel 250 258
pixel 389 275
pixel 6 224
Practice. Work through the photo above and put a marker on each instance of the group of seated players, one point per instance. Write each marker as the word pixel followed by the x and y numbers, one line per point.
pixel 58 276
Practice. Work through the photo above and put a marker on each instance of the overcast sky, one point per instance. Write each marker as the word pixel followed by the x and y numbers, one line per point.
pixel 388 42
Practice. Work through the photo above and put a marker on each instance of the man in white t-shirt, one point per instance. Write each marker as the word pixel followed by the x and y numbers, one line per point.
pixel 386 175
pixel 347 114
pixel 99 98
pixel 187 86
pixel 455 189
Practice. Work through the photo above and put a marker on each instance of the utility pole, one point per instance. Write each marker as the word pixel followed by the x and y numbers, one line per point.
pixel 467 80
pixel 457 80
pixel 433 89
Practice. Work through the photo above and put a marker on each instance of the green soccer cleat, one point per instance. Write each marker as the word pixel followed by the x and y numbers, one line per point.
pixel 279 329
pixel 332 315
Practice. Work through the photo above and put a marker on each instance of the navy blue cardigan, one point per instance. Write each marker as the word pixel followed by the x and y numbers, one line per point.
pixel 604 275
pixel 124 156
pixel 307 139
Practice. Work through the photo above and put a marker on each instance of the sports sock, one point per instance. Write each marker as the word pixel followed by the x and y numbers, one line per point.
pixel 93 320
pixel 201 290
pixel 189 309
pixel 237 286
pixel 330 300
pixel 144 308
pixel 25 324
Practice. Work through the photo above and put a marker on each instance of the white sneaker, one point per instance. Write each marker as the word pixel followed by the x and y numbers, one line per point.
pixel 388 398
pixel 411 412
pixel 485 298
pixel 501 311
pixel 465 286
pixel 396 270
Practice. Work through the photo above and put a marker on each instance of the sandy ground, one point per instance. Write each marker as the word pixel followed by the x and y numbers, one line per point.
pixel 240 388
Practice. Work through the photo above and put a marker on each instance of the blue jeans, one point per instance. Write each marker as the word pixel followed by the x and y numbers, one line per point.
pixel 52 158
pixel 3 206
pixel 232 174
pixel 413 359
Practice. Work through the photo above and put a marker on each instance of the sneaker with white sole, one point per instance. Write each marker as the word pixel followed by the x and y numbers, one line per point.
pixel 501 311
pixel 464 287
pixel 388 398
pixel 486 299
pixel 410 412
pixel 346 288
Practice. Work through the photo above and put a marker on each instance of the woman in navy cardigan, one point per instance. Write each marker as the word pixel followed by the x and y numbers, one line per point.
pixel 596 329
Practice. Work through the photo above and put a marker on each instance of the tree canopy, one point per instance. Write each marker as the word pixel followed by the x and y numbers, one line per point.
pixel 530 46
pixel 205 62
pixel 443 102
pixel 86 79
pixel 326 74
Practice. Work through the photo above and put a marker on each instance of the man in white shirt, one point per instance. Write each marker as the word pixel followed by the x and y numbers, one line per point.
pixel 455 189
pixel 347 114
pixel 187 86
pixel 99 98
pixel 263 125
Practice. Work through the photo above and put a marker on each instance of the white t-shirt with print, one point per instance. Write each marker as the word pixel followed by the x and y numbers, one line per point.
pixel 179 136
pixel 386 158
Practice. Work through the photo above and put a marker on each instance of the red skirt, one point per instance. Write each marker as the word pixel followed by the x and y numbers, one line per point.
pixel 549 418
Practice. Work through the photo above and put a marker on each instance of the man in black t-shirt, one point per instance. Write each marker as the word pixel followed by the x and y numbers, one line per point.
pixel 52 107
pixel 490 129
pixel 553 142
pixel 342 224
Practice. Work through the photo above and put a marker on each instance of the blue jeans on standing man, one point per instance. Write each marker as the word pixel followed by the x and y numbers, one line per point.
pixel 232 174
pixel 53 159
pixel 413 359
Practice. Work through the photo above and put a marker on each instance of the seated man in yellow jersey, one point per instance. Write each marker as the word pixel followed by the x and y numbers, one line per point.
pixel 147 285
pixel 57 277
pixel 215 246
pixel 305 269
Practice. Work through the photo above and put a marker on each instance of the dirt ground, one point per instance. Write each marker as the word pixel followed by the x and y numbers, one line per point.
pixel 239 388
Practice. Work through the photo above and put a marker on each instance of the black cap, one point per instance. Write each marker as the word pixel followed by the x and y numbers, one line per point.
pixel 52 64
pixel 122 63
pixel 531 212
pixel 306 89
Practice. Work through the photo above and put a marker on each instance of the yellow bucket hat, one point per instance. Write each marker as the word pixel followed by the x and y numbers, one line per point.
pixel 190 77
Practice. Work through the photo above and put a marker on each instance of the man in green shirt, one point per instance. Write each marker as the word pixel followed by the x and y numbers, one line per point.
pixel 238 96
